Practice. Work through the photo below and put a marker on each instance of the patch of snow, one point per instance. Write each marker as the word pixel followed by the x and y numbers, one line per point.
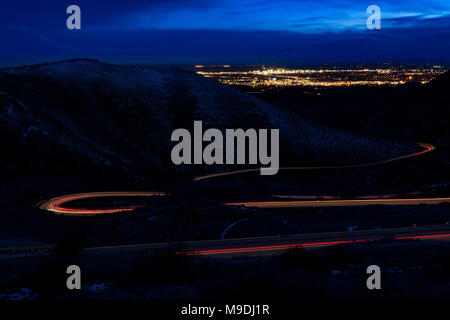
pixel 99 287
pixel 21 294
pixel 338 272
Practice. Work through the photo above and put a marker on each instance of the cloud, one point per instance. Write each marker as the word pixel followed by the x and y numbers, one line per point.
pixel 26 30
pixel 417 21
pixel 225 31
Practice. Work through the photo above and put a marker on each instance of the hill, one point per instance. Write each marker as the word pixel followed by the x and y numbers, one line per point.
pixel 110 125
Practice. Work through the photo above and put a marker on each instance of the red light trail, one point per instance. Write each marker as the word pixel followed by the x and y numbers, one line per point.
pixel 56 205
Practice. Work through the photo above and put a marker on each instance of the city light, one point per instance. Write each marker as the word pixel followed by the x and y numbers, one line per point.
pixel 324 77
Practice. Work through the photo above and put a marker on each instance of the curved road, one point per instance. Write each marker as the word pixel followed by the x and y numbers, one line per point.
pixel 270 244
pixel 56 204
pixel 427 148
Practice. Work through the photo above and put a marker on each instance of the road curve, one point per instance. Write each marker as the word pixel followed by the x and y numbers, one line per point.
pixel 427 148
pixel 55 204
pixel 267 244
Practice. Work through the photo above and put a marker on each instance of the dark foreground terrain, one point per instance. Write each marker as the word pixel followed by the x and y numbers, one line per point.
pixel 410 270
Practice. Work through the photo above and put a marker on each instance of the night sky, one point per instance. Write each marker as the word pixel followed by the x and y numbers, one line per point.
pixel 228 31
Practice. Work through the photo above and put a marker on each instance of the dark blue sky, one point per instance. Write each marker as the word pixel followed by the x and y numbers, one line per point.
pixel 226 31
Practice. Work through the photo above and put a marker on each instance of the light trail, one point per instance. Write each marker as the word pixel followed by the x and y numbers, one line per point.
pixel 230 247
pixel 339 203
pixel 55 204
pixel 317 244
pixel 308 245
pixel 270 248
pixel 236 246
pixel 427 148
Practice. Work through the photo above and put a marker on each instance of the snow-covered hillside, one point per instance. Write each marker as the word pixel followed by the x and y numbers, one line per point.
pixel 85 117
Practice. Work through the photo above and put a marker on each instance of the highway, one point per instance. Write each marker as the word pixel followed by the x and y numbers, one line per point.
pixel 340 203
pixel 55 205
pixel 258 245
pixel 266 244
pixel 315 240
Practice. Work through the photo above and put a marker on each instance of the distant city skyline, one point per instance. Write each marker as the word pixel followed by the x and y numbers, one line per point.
pixel 228 31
